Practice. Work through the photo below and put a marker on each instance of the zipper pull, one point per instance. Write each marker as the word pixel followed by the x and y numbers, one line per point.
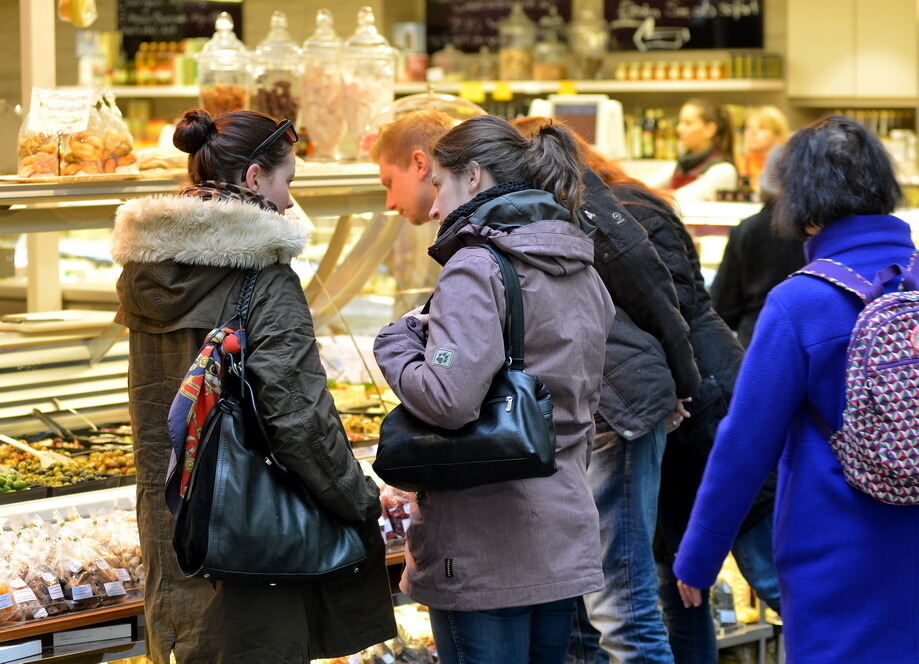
pixel 510 402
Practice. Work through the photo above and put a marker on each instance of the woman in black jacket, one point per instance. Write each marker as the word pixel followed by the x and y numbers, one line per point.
pixel 649 365
pixel 717 355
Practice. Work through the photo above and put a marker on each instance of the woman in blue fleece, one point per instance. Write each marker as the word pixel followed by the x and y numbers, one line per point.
pixel 848 564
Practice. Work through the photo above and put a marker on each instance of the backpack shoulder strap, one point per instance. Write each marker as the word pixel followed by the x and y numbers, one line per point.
pixel 842 276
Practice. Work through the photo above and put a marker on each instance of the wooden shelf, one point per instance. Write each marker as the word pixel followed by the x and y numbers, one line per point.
pixel 72 621
pixel 517 87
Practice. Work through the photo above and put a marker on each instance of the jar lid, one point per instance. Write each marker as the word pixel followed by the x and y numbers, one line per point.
pixel 224 47
pixel 366 37
pixel 324 37
pixel 517 21
pixel 278 46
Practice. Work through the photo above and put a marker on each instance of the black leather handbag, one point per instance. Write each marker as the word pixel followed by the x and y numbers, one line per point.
pixel 513 438
pixel 244 517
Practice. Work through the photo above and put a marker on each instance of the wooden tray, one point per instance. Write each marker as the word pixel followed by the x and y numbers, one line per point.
pixel 70 179
pixel 43 322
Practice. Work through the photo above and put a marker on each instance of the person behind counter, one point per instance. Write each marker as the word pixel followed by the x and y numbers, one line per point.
pixel 649 363
pixel 501 565
pixel 707 144
pixel 756 260
pixel 184 258
pixel 717 354
pixel 846 560
pixel 765 129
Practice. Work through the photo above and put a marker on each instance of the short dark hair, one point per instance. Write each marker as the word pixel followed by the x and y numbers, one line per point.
pixel 218 149
pixel 831 169
pixel 548 161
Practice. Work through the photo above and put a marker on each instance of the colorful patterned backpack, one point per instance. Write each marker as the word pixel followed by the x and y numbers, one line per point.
pixel 878 444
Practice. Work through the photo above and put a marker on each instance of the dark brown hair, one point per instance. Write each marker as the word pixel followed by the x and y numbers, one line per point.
pixel 605 168
pixel 711 111
pixel 548 161
pixel 218 148
pixel 831 169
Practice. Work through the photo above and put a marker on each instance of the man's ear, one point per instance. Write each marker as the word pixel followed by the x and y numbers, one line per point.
pixel 421 164
pixel 252 177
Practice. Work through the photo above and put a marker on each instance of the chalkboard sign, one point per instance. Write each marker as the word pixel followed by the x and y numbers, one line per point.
pixel 471 24
pixel 674 24
pixel 171 20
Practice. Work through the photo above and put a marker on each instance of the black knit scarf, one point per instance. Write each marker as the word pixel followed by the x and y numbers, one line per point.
pixel 690 160
pixel 478 200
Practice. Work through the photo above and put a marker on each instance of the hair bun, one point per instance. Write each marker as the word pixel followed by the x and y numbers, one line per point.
pixel 192 131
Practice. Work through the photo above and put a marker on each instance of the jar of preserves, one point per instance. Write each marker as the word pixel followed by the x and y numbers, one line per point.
pixel 223 70
pixel 589 38
pixel 517 36
pixel 369 72
pixel 322 90
pixel 276 69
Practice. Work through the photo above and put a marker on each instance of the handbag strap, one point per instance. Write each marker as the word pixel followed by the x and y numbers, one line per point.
pixel 513 330
pixel 245 297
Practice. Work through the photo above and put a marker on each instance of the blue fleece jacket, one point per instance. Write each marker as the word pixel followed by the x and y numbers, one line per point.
pixel 848 564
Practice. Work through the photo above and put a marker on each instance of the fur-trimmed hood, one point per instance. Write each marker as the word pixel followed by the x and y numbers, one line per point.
pixel 190 230
pixel 183 256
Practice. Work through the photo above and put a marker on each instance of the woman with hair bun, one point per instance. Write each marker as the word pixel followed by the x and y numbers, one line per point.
pixel 184 259
pixel 501 565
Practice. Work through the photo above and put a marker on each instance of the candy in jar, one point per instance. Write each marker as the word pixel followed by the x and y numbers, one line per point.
pixel 322 88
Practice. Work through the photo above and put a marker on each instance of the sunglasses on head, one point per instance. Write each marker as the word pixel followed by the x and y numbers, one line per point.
pixel 285 128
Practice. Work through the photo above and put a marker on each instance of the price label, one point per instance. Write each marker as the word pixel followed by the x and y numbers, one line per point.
pixel 55 591
pixel 82 592
pixel 122 574
pixel 114 589
pixel 502 91
pixel 473 91
pixel 567 88
pixel 101 564
pixel 24 595
pixel 64 111
pixel 6 601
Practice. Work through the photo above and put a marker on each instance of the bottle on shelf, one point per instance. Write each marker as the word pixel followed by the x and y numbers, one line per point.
pixel 648 132
pixel 276 72
pixel 224 79
pixel 369 73
pixel 322 90
pixel 550 55
pixel 517 36
pixel 589 39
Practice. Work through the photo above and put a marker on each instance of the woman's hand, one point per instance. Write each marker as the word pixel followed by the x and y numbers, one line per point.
pixel 679 413
pixel 417 315
pixel 690 596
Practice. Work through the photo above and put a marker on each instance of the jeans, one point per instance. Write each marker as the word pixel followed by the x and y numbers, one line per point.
pixel 536 634
pixel 692 630
pixel 624 478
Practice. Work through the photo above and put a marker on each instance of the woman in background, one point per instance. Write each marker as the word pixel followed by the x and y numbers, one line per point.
pixel 706 162
pixel 765 129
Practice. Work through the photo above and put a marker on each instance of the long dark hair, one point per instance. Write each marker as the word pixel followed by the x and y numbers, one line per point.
pixel 218 148
pixel 548 161
pixel 831 169
pixel 711 111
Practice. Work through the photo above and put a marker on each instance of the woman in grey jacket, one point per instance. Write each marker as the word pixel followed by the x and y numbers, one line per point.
pixel 500 565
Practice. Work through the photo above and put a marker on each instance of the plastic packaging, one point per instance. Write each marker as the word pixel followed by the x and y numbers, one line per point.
pixel 37 152
pixel 223 70
pixel 276 72
pixel 369 72
pixel 322 88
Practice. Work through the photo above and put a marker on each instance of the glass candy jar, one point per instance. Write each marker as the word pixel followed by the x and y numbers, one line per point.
pixel 223 70
pixel 276 73
pixel 517 35
pixel 322 90
pixel 589 38
pixel 369 72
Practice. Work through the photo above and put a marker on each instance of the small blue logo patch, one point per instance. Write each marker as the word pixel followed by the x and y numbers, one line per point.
pixel 442 358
